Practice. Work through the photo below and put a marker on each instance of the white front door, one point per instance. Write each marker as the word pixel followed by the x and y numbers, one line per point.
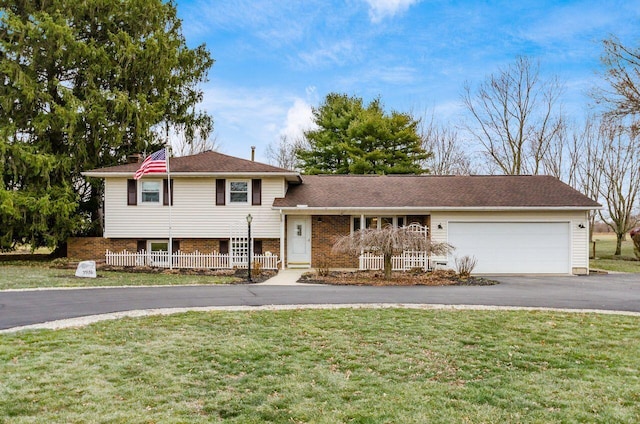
pixel 299 241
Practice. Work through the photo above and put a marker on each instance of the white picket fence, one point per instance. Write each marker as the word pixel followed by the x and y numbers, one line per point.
pixel 406 261
pixel 194 260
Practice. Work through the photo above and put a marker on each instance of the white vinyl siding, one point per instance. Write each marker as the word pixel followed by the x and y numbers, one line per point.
pixel 194 212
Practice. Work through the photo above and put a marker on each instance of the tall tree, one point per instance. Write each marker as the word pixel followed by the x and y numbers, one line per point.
pixel 352 138
pixel 283 153
pixel 84 84
pixel 516 117
pixel 448 156
pixel 618 163
pixel 623 75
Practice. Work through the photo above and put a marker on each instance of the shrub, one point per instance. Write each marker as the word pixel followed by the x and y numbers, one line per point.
pixel 322 266
pixel 636 244
pixel 465 265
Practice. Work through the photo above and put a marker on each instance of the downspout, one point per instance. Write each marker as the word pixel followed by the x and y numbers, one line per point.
pixel 283 255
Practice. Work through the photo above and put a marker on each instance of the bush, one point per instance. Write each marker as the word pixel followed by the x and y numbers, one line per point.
pixel 465 265
pixel 636 244
pixel 322 266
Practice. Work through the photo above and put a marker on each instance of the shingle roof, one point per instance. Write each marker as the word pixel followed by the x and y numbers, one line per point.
pixel 364 191
pixel 207 162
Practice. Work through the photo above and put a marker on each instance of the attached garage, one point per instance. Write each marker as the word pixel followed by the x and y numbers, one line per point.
pixel 514 247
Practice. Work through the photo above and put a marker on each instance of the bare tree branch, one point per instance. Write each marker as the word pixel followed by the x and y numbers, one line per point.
pixel 515 113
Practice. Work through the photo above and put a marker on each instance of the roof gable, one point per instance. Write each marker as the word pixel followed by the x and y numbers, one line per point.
pixel 369 191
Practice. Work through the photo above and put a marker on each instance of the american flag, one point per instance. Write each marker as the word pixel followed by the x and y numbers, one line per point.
pixel 153 164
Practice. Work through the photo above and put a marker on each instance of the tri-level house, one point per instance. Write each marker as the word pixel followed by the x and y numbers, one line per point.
pixel 511 224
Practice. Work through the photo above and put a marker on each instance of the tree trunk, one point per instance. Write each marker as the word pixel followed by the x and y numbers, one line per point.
pixel 387 267
pixel 619 237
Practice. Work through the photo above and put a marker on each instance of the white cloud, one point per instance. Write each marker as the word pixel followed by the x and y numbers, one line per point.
pixel 380 9
pixel 245 117
pixel 338 53
pixel 299 119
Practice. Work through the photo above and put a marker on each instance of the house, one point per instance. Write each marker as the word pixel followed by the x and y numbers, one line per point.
pixel 511 224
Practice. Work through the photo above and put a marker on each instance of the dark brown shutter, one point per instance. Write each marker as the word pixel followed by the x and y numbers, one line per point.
pixel 257 247
pixel 142 245
pixel 256 192
pixel 165 193
pixel 224 246
pixel 220 196
pixel 175 245
pixel 132 193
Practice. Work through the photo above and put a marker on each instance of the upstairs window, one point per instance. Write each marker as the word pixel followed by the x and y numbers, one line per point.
pixel 150 192
pixel 239 192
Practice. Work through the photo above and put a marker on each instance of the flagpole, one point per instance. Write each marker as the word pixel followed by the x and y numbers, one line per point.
pixel 170 202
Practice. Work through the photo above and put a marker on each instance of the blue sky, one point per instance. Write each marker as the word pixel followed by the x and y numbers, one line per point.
pixel 276 59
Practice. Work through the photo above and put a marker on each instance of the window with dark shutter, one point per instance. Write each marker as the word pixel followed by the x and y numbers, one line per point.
pixel 165 193
pixel 142 245
pixel 224 247
pixel 220 195
pixel 256 192
pixel 132 193
pixel 257 247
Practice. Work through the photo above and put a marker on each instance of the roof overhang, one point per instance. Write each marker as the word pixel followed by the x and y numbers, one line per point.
pixel 292 177
pixel 310 210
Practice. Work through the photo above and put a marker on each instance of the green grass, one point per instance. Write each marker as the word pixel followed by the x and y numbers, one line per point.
pixel 606 247
pixel 36 274
pixel 328 366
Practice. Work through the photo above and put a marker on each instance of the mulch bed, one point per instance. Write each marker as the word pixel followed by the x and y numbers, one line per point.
pixel 376 278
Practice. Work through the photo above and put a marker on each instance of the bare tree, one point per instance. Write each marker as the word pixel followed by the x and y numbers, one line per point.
pixel 623 76
pixel 448 155
pixel 516 115
pixel 618 164
pixel 183 147
pixel 388 241
pixel 283 153
pixel 585 150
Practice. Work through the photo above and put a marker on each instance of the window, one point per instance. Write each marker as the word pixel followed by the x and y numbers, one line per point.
pixel 150 192
pixel 376 222
pixel 158 246
pixel 239 192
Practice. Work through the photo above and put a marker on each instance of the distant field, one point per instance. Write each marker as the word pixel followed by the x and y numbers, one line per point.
pixel 606 247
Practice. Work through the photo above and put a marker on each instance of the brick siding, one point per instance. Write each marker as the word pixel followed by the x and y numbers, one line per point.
pixel 325 229
pixel 94 248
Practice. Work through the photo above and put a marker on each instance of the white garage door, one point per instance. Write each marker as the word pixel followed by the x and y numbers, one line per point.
pixel 513 247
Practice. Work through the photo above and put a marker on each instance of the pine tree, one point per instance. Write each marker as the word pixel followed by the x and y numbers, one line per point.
pixel 85 84
pixel 351 138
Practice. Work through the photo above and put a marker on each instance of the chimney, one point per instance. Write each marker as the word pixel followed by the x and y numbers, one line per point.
pixel 253 153
pixel 134 158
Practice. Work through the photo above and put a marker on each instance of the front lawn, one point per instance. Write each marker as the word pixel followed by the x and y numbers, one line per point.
pixel 328 366
pixel 605 248
pixel 20 275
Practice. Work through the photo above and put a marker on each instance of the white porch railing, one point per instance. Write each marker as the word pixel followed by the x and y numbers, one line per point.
pixel 404 262
pixel 195 260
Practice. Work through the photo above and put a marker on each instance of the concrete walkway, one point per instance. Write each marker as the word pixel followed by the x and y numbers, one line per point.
pixel 286 277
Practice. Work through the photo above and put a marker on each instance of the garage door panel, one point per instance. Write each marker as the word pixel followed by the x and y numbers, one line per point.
pixel 513 247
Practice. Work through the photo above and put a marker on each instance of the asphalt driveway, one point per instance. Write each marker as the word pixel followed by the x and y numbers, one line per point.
pixel 612 292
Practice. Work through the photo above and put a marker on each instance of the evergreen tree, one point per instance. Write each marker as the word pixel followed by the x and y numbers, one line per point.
pixel 85 84
pixel 352 138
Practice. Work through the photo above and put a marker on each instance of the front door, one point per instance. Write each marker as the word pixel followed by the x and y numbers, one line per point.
pixel 298 241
